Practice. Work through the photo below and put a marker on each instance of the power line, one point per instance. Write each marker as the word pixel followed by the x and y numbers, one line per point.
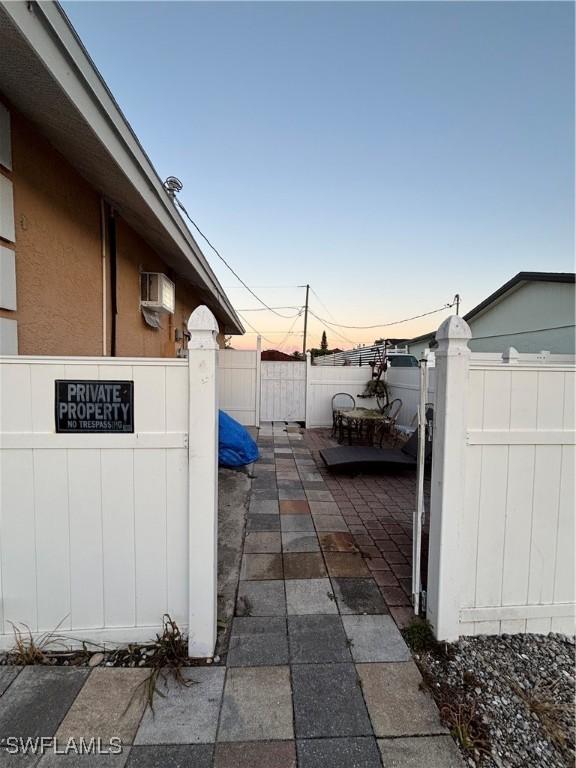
pixel 269 330
pixel 223 260
pixel 322 303
pixel 383 325
pixel 256 331
pixel 285 339
pixel 340 336
pixel 270 341
pixel 334 331
pixel 262 309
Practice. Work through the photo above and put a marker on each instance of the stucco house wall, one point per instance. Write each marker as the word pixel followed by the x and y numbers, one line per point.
pixel 419 347
pixel 57 247
pixel 58 255
pixel 533 316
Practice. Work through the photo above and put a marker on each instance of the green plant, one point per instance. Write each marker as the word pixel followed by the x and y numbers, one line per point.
pixel 376 388
pixel 419 636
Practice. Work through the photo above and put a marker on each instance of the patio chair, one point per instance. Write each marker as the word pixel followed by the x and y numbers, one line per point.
pixel 340 402
pixel 390 413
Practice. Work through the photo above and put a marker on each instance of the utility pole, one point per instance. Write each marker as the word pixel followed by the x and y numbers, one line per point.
pixel 305 319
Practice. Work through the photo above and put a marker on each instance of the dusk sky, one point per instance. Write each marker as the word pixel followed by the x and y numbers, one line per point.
pixel 390 154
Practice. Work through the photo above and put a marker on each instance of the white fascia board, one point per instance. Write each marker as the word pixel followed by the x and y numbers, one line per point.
pixel 47 30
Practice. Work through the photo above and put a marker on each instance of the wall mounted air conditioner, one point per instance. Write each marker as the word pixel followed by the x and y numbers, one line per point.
pixel 157 292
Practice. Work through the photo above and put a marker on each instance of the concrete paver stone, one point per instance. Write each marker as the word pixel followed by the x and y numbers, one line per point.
pixel 315 639
pixel 260 567
pixel 346 565
pixel 257 705
pixel 304 565
pixel 328 701
pixel 185 714
pixel 7 677
pixel 262 522
pixel 261 598
pixel 265 507
pixel 170 756
pixel 298 541
pixel 355 752
pixel 270 754
pixel 38 699
pixel 262 542
pixel 305 596
pixel 110 703
pixel 301 523
pixel 397 705
pixel 375 638
pixel 358 596
pixel 431 751
pixel 258 642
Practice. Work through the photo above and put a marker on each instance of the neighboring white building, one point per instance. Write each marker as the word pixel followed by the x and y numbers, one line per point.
pixel 533 311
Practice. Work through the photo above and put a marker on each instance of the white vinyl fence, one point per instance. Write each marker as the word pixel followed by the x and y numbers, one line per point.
pixel 252 392
pixel 323 382
pixel 95 529
pixel 501 553
pixel 239 384
pixel 404 384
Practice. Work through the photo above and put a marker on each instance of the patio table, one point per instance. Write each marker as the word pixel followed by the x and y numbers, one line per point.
pixel 363 420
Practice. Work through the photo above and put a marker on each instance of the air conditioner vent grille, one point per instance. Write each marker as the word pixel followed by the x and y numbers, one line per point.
pixel 157 292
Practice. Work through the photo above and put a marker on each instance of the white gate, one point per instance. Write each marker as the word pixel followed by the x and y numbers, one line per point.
pixel 501 554
pixel 283 391
pixel 239 384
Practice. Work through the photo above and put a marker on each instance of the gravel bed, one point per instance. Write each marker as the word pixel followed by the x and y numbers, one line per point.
pixel 511 695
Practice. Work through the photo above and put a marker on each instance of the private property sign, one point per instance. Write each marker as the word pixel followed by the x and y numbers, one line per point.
pixel 94 406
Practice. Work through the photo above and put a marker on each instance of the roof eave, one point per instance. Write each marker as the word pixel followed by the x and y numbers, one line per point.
pixel 515 282
pixel 47 31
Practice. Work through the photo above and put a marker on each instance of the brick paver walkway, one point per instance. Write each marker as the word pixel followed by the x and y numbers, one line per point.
pixel 317 674
pixel 378 510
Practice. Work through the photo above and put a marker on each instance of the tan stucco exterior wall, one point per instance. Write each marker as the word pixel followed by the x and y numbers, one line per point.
pixel 134 336
pixel 59 263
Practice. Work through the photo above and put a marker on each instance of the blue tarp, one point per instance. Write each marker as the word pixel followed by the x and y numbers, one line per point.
pixel 235 445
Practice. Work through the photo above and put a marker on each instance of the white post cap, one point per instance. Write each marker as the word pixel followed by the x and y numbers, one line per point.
pixel 203 329
pixel 454 331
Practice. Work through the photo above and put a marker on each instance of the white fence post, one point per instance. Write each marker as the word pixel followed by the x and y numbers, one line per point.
pixel 308 391
pixel 258 386
pixel 448 482
pixel 202 481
